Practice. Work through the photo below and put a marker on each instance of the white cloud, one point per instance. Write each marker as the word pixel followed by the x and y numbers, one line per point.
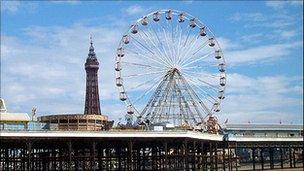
pixel 288 34
pixel 277 5
pixel 256 17
pixel 280 25
pixel 134 9
pixel 13 7
pixel 260 53
pixel 47 71
pixel 227 44
pixel 72 2
pixel 187 1
pixel 262 99
pixel 10 6
pixel 260 20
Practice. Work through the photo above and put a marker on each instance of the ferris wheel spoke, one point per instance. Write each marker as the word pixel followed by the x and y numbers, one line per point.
pixel 193 80
pixel 206 94
pixel 145 47
pixel 201 47
pixel 152 87
pixel 174 34
pixel 198 59
pixel 170 37
pixel 166 39
pixel 197 67
pixel 189 49
pixel 179 43
pixel 193 54
pixel 183 47
pixel 189 30
pixel 148 73
pixel 209 85
pixel 200 66
pixel 157 49
pixel 161 44
pixel 173 42
pixel 142 65
pixel 146 82
pixel 158 54
pixel 146 57
pixel 162 52
pixel 204 74
pixel 168 46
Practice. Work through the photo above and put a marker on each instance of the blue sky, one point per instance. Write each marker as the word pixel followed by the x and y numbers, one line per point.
pixel 44 46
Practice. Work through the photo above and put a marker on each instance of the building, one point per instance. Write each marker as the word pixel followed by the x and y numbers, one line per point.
pixel 12 121
pixel 263 130
pixel 18 121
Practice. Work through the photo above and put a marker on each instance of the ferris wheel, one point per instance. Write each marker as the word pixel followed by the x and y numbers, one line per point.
pixel 170 68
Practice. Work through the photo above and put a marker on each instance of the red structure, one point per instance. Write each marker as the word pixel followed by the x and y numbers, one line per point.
pixel 92 105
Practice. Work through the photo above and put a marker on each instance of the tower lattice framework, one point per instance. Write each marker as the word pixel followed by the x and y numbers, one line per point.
pixel 92 104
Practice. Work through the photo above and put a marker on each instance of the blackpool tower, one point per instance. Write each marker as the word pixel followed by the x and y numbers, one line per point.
pixel 92 105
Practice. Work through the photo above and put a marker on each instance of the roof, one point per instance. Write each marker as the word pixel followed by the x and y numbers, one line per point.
pixel 263 127
pixel 21 117
pixel 2 106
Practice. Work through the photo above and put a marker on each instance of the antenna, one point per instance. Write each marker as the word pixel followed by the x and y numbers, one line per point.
pixel 91 40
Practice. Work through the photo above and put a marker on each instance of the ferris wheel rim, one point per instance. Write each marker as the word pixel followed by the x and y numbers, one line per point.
pixel 128 101
pixel 162 11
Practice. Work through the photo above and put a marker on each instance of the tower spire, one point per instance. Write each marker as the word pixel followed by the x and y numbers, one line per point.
pixel 92 104
pixel 91 49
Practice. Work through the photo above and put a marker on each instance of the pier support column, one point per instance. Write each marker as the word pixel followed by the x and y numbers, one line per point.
pixel 224 158
pixel 186 160
pixel 302 156
pixel 262 158
pixel 93 156
pixel 203 159
pixel 216 156
pixel 29 155
pixel 211 156
pixel 166 156
pixel 130 150
pixel 253 158
pixel 271 157
pixel 290 158
pixel 281 157
pixel 236 156
pixel 70 155
pixel 229 158
pixel 294 156
pixel 194 155
pixel 153 158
